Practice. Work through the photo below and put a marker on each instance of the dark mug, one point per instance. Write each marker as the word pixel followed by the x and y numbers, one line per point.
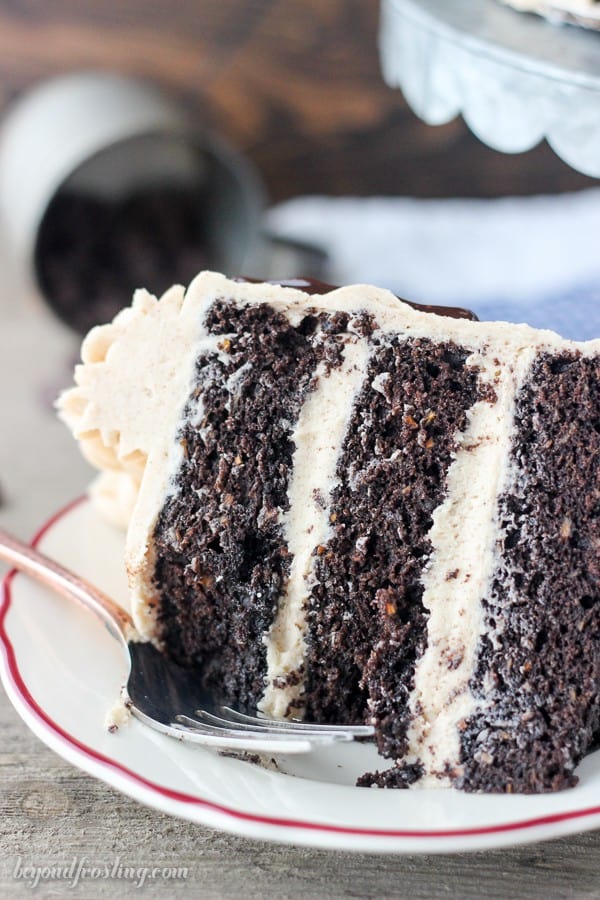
pixel 107 184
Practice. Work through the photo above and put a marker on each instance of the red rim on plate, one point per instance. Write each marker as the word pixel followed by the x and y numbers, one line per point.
pixel 12 673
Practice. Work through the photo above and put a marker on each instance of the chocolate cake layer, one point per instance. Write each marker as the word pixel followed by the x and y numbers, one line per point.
pixel 538 673
pixel 366 621
pixel 222 558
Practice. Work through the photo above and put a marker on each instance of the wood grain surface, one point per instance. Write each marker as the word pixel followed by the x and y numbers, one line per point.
pixel 295 83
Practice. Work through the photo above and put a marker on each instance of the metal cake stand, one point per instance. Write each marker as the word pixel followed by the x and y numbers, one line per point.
pixel 516 79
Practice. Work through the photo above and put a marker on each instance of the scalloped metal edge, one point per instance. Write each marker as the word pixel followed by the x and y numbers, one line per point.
pixel 557 11
pixel 506 107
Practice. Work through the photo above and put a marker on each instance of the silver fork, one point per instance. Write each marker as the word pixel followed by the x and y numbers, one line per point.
pixel 164 695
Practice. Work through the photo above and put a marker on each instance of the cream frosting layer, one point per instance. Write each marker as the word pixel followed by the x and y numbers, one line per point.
pixel 464 540
pixel 318 438
pixel 138 371
pixel 132 386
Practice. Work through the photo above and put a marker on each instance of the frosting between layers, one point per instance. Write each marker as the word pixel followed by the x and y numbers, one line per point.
pixel 463 536
pixel 318 438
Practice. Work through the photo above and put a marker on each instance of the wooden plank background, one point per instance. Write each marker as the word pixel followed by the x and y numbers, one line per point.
pixel 295 83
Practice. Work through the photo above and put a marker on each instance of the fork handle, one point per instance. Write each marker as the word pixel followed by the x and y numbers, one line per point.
pixel 52 575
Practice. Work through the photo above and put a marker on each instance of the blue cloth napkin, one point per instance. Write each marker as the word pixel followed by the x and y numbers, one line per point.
pixel 534 260
pixel 573 312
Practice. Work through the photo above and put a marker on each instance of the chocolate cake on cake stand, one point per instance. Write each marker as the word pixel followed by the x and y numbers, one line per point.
pixel 516 79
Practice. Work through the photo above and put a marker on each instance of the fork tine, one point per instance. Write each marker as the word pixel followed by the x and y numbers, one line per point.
pixel 296 727
pixel 291 746
pixel 250 735
pixel 258 727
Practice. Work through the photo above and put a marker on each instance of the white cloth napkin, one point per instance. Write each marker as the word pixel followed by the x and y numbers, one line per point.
pixel 533 259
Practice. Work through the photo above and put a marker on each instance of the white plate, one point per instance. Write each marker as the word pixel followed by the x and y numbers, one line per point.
pixel 62 671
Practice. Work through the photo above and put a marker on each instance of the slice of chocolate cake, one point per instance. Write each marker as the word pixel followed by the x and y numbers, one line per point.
pixel 345 508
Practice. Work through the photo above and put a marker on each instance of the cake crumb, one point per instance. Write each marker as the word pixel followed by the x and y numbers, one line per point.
pixel 119 714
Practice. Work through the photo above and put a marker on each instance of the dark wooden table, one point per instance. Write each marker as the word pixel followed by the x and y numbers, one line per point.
pixel 296 84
